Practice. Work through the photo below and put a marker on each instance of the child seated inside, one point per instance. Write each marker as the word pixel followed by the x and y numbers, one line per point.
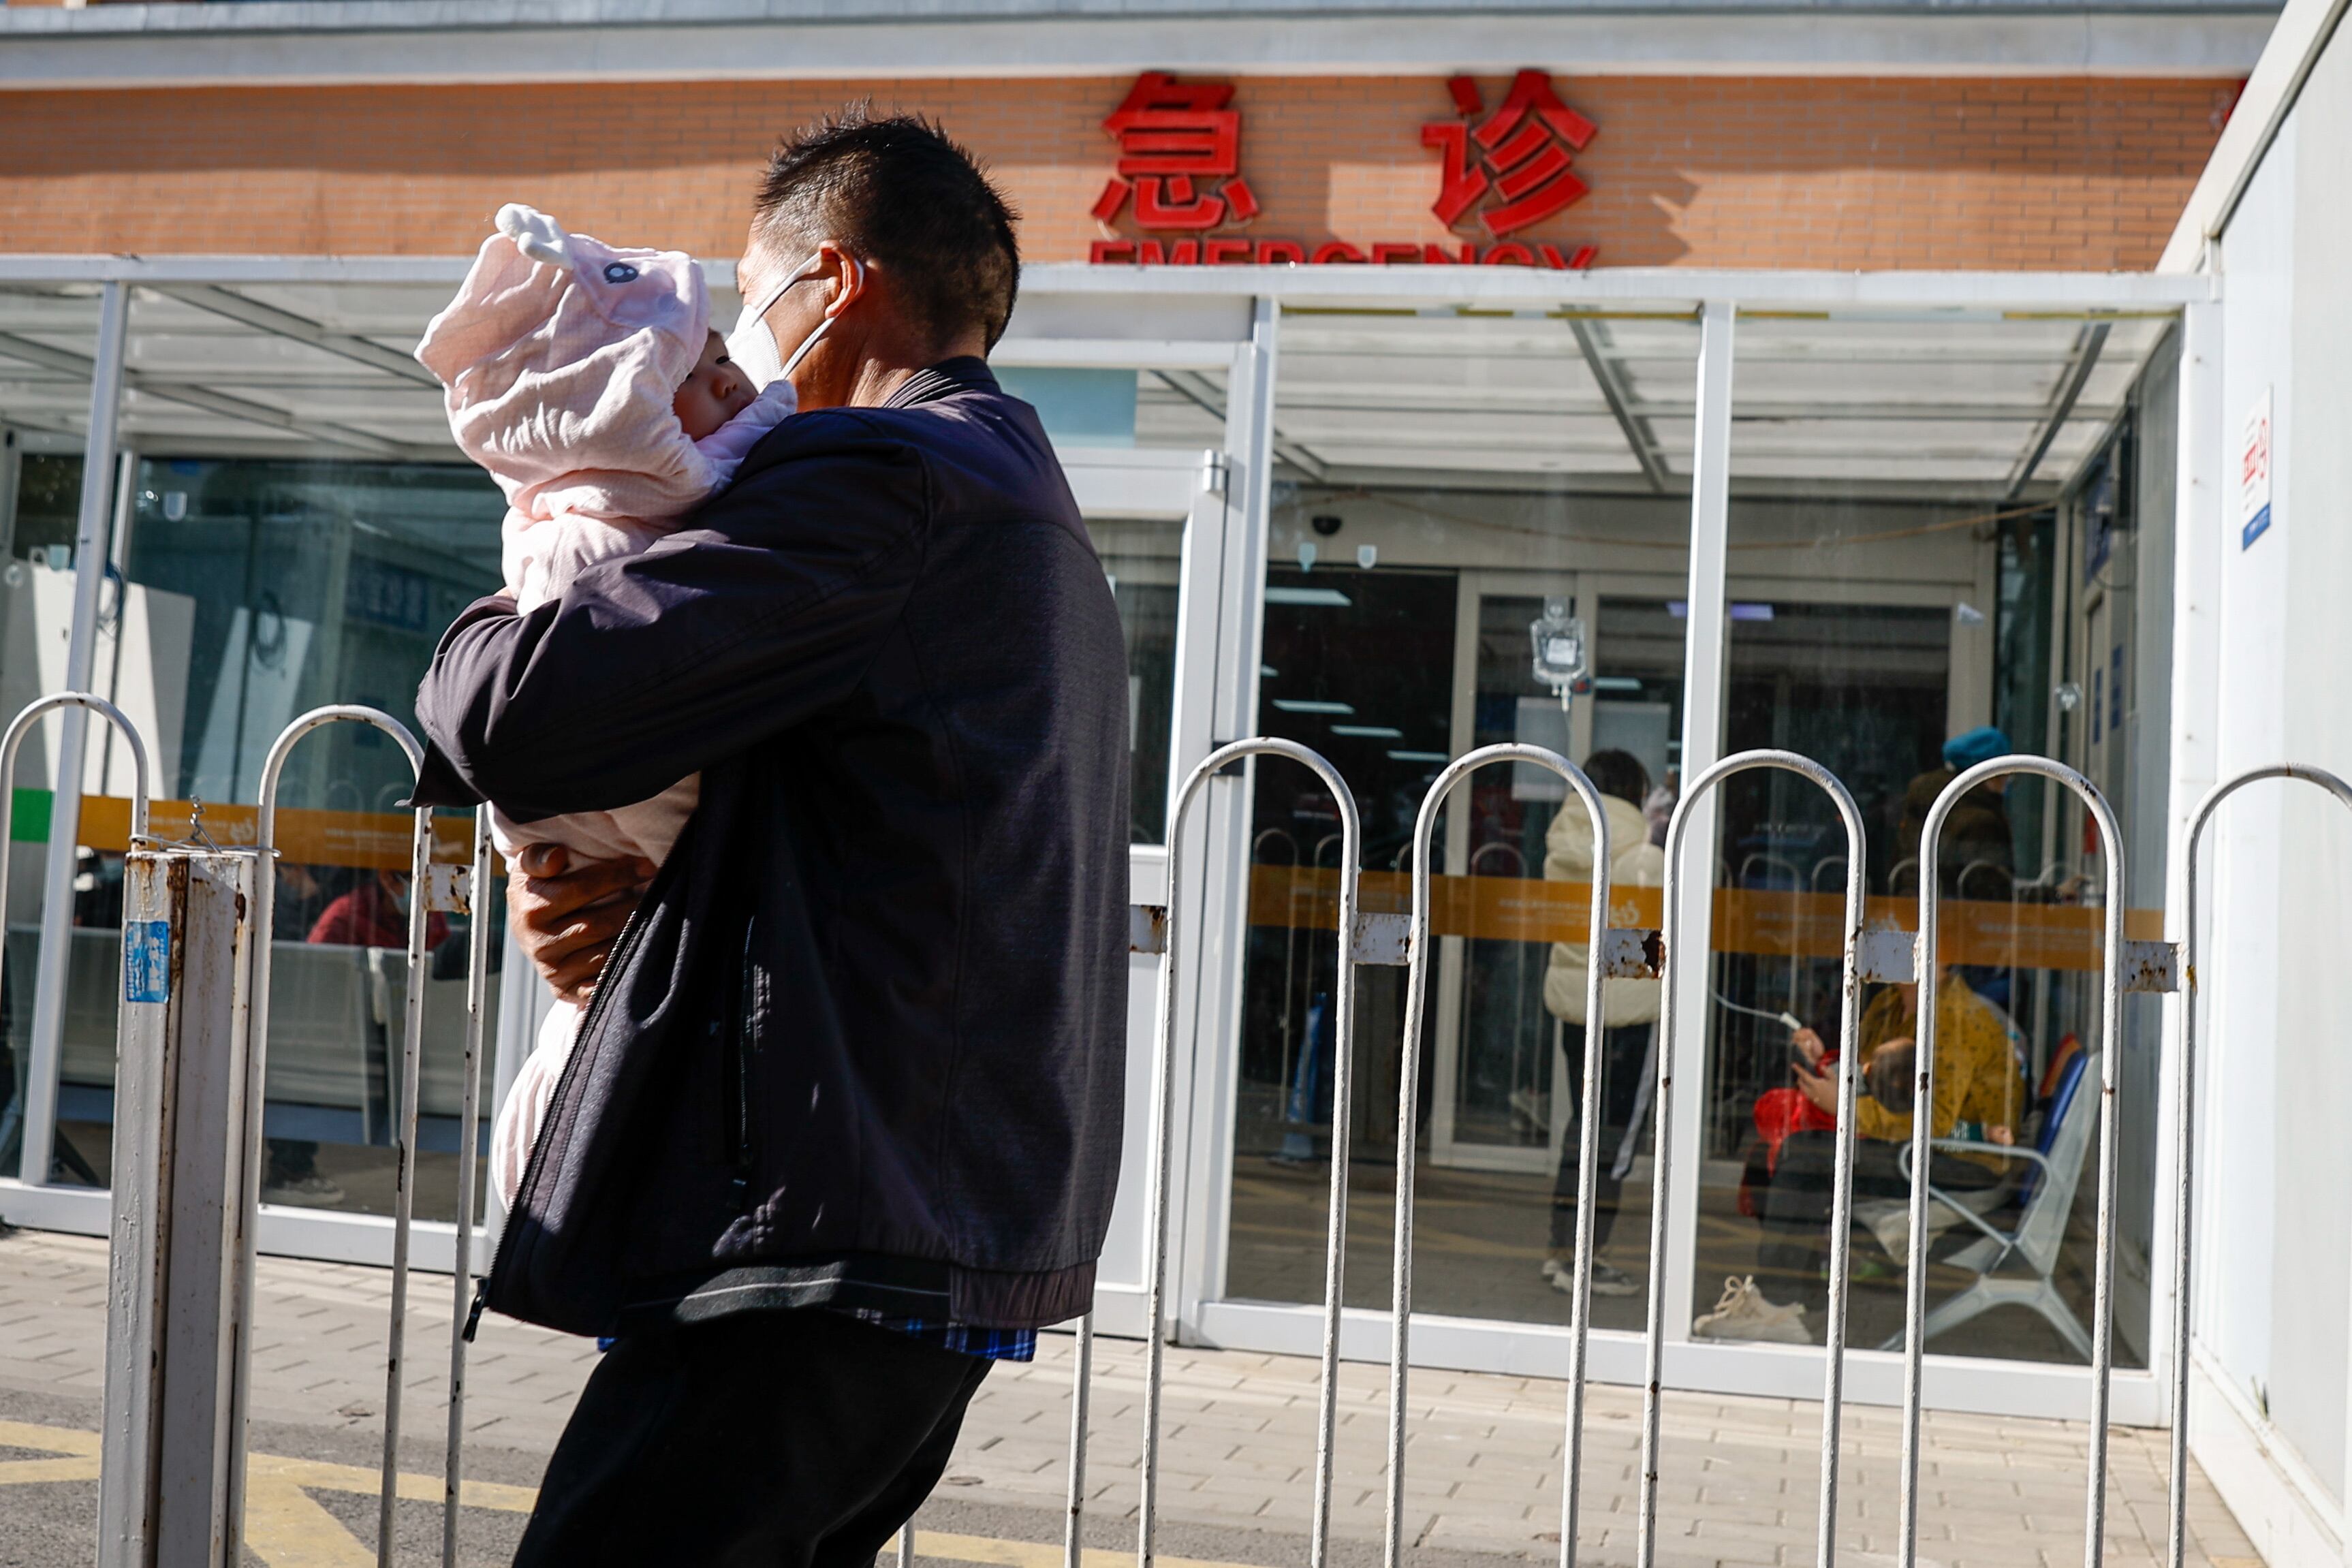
pixel 589 381
pixel 1978 1082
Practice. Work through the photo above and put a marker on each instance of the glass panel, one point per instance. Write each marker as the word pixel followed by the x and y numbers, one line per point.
pixel 1448 479
pixel 1133 442
pixel 1937 525
pixel 252 591
pixel 288 585
pixel 216 382
pixel 48 336
pixel 298 533
pixel 1181 408
pixel 1141 558
pixel 245 584
pixel 1086 409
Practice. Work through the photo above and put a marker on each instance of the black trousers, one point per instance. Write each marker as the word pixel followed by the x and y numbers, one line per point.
pixel 787 1439
pixel 1795 1244
pixel 1623 1051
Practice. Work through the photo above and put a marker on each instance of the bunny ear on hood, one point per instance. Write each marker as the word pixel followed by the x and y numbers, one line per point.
pixel 561 356
pixel 534 233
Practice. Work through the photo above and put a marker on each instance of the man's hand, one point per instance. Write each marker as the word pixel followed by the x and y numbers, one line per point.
pixel 1810 1045
pixel 566 917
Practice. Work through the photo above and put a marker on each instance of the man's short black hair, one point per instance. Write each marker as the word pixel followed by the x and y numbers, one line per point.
pixel 892 189
pixel 1620 774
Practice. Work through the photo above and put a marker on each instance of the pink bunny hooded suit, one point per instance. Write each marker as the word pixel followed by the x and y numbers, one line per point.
pixel 562 357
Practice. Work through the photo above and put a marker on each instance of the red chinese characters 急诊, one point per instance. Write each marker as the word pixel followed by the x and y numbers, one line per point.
pixel 1520 154
pixel 1179 147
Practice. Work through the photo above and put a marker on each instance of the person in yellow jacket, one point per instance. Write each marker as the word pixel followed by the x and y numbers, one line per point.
pixel 1629 1010
pixel 1977 1080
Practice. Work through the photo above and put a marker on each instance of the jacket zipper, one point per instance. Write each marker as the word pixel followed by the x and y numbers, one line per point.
pixel 508 1233
pixel 736 1105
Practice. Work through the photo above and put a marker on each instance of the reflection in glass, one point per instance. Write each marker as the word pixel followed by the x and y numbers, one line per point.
pixel 1445 478
pixel 1097 408
pixel 1937 533
pixel 250 592
pixel 39 617
pixel 45 407
pixel 1107 425
pixel 1142 560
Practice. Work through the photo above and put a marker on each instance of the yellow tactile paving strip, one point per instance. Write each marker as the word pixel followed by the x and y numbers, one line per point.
pixel 286 1527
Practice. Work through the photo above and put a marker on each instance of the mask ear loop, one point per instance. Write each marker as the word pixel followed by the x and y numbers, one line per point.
pixel 767 301
pixel 856 277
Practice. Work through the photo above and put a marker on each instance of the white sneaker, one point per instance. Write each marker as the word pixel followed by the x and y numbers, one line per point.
pixel 1743 1313
pixel 1608 1279
pixel 312 1191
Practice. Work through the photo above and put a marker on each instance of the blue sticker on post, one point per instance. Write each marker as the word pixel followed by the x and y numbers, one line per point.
pixel 147 961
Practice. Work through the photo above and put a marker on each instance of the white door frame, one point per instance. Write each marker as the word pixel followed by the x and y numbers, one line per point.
pixel 1165 485
pixel 1214 983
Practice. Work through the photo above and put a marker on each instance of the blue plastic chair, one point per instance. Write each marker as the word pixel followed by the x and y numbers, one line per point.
pixel 2044 1202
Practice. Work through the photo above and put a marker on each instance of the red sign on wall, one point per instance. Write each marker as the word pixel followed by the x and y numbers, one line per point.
pixel 1179 173
pixel 1518 156
pixel 1180 155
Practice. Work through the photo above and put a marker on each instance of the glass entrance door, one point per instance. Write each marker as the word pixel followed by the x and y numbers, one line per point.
pixel 1508 1022
pixel 1880 572
pixel 1504 1051
pixel 1895 481
pixel 1443 476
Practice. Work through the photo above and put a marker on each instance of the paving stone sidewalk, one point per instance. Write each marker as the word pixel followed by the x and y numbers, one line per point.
pixel 1739 1475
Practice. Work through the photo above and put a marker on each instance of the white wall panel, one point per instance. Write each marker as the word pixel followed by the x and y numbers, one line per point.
pixel 2312 1270
pixel 2276 1246
pixel 2236 1218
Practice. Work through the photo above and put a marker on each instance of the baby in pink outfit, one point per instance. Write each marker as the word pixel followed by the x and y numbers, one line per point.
pixel 589 381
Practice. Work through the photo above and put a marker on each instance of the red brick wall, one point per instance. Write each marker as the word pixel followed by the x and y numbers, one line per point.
pixel 2075 173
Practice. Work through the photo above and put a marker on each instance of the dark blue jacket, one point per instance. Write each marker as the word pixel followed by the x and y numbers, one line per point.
pixel 864 1042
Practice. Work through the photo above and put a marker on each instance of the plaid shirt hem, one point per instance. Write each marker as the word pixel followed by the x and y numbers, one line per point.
pixel 988 1344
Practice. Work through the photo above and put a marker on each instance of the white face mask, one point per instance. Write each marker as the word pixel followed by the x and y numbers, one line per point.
pixel 752 346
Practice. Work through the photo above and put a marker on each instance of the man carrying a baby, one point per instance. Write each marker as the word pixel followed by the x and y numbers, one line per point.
pixel 838 1119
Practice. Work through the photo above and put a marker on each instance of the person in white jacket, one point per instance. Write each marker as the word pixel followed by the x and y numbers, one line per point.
pixel 1629 1017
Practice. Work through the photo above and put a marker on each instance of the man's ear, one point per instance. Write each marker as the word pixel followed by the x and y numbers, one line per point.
pixel 848 277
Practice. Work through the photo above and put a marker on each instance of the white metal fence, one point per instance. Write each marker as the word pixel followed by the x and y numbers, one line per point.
pixel 187 1157
pixel 198 923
